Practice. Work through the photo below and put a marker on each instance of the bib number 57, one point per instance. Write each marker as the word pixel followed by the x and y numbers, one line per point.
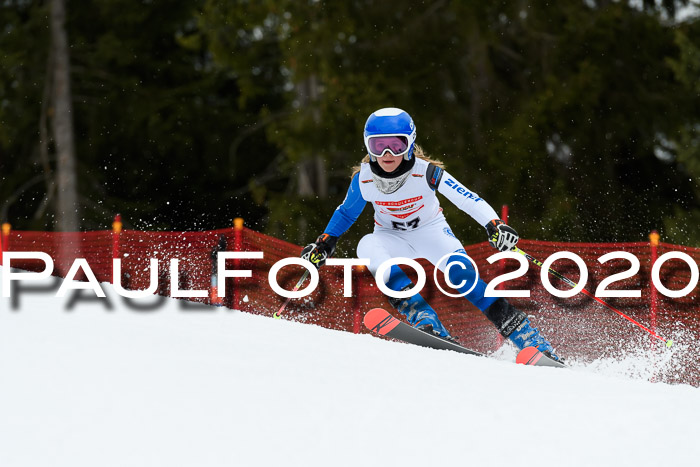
pixel 412 224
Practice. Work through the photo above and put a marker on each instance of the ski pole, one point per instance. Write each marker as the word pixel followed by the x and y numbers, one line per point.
pixel 278 315
pixel 573 284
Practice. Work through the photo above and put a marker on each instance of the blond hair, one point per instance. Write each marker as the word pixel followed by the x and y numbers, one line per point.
pixel 417 152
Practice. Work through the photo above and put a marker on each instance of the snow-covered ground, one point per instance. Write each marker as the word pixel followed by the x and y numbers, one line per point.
pixel 94 382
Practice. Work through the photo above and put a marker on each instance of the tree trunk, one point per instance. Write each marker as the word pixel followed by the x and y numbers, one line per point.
pixel 312 178
pixel 67 215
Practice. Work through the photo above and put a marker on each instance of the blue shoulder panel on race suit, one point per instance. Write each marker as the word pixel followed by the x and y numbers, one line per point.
pixel 348 212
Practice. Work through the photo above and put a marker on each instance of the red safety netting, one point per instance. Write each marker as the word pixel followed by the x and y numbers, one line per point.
pixel 579 327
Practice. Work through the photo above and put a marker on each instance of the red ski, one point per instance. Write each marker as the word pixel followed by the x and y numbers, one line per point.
pixel 380 321
pixel 532 356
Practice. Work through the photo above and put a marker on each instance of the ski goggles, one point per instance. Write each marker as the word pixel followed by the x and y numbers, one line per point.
pixel 395 144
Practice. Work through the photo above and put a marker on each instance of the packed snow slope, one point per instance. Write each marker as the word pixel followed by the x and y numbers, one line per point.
pixel 96 382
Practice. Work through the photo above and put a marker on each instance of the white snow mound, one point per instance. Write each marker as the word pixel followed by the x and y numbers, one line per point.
pixel 94 382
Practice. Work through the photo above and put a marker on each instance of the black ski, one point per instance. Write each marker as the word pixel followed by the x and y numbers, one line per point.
pixel 381 322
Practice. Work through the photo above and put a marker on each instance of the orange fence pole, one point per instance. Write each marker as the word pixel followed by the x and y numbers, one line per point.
pixel 116 233
pixel 237 246
pixel 5 239
pixel 653 296
pixel 357 311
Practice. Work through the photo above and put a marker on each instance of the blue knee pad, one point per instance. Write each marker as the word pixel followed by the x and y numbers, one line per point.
pixel 418 312
pixel 464 272
pixel 398 280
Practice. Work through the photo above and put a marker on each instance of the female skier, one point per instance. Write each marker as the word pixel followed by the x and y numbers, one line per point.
pixel 400 182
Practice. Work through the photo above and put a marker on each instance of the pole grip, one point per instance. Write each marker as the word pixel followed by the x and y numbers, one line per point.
pixel 502 269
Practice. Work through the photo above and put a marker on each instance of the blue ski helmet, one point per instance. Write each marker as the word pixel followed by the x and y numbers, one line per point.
pixel 384 124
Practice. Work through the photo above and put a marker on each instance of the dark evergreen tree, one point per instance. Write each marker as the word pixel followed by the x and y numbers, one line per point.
pixel 582 116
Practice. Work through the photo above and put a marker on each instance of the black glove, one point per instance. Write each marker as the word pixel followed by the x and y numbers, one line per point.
pixel 317 253
pixel 501 236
